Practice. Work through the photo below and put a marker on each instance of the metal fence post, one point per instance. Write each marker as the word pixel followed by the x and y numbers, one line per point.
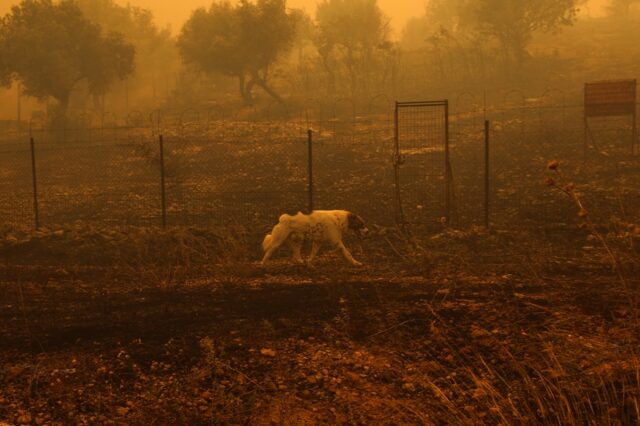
pixel 19 103
pixel 310 167
pixel 486 174
pixel 35 184
pixel 396 167
pixel 162 185
pixel 585 135
pixel 634 131
pixel 447 170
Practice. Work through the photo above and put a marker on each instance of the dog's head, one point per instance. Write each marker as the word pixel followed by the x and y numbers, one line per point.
pixel 356 224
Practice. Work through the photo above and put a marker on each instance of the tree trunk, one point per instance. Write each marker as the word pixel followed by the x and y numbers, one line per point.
pixel 248 92
pixel 98 102
pixel 245 89
pixel 63 103
pixel 262 82
pixel 59 118
pixel 351 68
pixel 331 78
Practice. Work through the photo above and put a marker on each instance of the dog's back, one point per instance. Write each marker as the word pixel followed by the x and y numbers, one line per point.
pixel 300 222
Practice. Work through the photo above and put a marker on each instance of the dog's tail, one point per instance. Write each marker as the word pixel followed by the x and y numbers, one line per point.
pixel 266 242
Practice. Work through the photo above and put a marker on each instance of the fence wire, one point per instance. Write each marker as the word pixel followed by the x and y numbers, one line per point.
pixel 246 169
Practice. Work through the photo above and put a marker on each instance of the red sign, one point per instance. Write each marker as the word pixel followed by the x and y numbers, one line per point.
pixel 610 98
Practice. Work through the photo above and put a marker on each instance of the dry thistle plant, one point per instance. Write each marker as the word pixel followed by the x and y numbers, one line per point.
pixel 558 182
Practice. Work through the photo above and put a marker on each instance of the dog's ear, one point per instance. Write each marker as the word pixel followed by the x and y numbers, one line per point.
pixel 355 221
pixel 351 219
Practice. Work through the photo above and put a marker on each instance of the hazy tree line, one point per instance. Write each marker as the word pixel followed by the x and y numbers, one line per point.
pixel 483 29
pixel 517 43
pixel 80 51
pixel 346 49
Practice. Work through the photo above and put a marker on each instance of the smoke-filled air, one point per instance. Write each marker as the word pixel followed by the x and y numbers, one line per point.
pixel 319 212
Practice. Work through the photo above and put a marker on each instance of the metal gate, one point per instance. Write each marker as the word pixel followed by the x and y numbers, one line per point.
pixel 421 162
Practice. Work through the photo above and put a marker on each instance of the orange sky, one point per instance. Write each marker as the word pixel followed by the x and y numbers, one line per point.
pixel 167 11
pixel 176 12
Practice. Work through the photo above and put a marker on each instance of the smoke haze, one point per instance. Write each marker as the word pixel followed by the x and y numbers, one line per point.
pixel 168 12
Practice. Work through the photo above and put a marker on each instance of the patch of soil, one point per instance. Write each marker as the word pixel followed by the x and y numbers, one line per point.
pixel 325 345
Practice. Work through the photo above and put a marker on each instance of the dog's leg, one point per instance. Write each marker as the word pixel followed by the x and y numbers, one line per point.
pixel 347 254
pixel 267 255
pixel 315 247
pixel 278 236
pixel 296 246
pixel 269 252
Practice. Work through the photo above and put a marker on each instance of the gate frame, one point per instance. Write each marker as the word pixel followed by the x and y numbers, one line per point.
pixel 398 160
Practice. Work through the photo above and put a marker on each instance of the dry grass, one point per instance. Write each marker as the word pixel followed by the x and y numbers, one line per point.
pixel 437 336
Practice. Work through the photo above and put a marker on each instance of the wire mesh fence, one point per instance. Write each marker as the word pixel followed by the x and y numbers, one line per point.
pixel 354 171
pixel 236 172
pixel 249 167
pixel 16 187
pixel 108 179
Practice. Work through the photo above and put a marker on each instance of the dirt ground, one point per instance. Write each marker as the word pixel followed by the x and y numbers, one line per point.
pixel 534 322
pixel 469 327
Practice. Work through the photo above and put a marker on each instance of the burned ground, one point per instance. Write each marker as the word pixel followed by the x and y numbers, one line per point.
pixel 106 318
pixel 427 333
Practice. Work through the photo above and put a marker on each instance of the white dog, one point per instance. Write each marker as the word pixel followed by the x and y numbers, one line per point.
pixel 319 226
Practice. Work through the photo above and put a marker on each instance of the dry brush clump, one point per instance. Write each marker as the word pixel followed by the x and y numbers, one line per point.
pixel 163 256
pixel 547 387
pixel 622 258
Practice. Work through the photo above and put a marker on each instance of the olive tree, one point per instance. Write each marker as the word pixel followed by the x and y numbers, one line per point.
pixel 621 7
pixel 157 57
pixel 512 23
pixel 50 48
pixel 354 36
pixel 242 41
